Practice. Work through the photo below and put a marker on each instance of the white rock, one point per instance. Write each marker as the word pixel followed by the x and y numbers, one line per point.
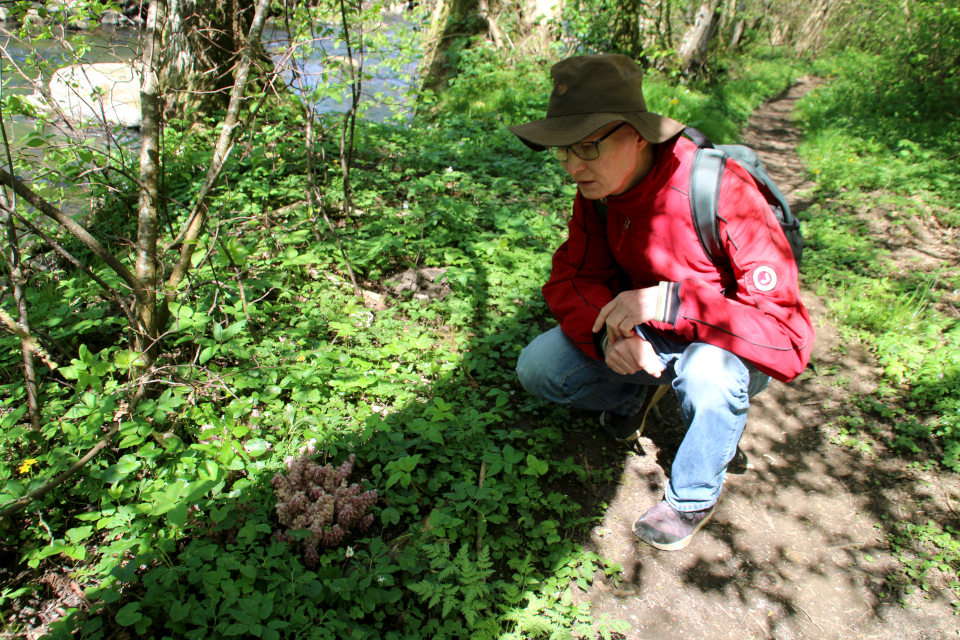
pixel 103 91
pixel 113 18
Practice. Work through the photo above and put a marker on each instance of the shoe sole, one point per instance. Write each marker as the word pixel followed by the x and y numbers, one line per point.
pixel 679 544
pixel 657 396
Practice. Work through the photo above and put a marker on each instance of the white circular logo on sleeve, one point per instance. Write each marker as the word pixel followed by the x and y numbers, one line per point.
pixel 764 278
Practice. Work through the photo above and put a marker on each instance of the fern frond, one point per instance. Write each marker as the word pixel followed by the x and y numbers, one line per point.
pixel 447 571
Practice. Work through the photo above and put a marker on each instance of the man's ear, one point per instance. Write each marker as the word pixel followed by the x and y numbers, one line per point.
pixel 642 143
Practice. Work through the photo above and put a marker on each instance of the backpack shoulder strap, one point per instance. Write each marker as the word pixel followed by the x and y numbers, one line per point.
pixel 698 138
pixel 705 177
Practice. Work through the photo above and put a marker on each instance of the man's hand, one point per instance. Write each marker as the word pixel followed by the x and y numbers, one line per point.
pixel 627 310
pixel 632 354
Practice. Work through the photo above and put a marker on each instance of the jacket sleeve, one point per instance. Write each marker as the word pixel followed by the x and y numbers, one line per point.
pixel 582 279
pixel 764 320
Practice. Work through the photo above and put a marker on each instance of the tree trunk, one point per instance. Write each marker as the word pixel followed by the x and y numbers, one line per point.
pixel 202 40
pixel 667 26
pixel 778 33
pixel 451 19
pixel 463 19
pixel 23 320
pixel 813 26
pixel 737 34
pixel 727 14
pixel 538 14
pixel 148 211
pixel 626 29
pixel 697 38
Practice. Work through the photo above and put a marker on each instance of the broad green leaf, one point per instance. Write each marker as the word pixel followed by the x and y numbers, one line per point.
pixel 256 448
pixel 207 353
pixel 178 515
pixel 179 611
pixel 129 614
pixel 232 331
pixel 79 534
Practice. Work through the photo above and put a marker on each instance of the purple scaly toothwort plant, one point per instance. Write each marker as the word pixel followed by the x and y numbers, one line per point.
pixel 317 498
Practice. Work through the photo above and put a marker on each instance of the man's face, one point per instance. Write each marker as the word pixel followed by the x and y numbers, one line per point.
pixel 619 167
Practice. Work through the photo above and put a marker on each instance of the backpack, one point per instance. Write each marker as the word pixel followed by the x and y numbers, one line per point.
pixel 708 164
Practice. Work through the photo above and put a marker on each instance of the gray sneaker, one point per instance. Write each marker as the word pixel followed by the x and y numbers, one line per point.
pixel 629 428
pixel 667 529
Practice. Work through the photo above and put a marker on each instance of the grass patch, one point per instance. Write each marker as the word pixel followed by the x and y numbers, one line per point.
pixel 881 146
pixel 881 162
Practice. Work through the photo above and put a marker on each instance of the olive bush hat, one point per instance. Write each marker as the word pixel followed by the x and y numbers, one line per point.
pixel 590 92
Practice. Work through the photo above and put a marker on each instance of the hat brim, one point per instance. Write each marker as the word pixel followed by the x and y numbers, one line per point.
pixel 565 130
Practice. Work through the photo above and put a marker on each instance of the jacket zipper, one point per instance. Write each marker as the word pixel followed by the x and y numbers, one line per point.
pixel 623 234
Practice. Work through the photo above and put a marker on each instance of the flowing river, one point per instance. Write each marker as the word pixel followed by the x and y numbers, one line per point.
pixel 308 73
pixel 314 72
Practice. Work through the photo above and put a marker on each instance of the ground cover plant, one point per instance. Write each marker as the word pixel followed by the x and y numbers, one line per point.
pixel 880 142
pixel 272 362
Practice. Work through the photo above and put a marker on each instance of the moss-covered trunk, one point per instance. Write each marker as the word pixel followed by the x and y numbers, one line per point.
pixel 202 44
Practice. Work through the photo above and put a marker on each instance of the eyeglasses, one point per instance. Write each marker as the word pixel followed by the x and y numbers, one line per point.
pixel 583 150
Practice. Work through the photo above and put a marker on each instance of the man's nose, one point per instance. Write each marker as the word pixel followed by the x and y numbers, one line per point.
pixel 574 164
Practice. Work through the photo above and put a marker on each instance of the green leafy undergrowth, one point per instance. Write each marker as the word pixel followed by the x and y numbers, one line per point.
pixel 872 125
pixel 172 529
pixel 930 557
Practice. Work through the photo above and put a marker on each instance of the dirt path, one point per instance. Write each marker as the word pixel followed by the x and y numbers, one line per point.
pixel 797 547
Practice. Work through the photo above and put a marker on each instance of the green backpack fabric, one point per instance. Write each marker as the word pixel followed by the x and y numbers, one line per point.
pixel 708 164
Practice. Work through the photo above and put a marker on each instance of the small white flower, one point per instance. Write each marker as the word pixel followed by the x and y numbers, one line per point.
pixel 349 552
pixel 380 579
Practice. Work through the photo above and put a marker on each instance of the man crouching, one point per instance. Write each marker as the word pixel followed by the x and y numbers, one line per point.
pixel 640 304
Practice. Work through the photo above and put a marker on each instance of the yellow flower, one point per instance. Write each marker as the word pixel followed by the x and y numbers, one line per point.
pixel 816 171
pixel 26 464
pixel 674 101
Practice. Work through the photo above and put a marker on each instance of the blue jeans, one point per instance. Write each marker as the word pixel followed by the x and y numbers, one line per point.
pixel 713 386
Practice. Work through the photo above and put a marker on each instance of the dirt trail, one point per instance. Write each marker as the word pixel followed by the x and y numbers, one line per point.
pixel 797 547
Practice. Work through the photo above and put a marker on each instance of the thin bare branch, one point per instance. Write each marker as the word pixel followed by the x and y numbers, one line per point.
pixel 28 341
pixel 110 291
pixel 222 151
pixel 40 204
pixel 28 347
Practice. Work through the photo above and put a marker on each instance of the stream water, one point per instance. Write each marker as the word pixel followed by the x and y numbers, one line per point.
pixel 306 74
pixel 383 93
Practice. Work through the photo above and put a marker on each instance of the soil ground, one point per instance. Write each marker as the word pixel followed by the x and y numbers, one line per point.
pixel 797 547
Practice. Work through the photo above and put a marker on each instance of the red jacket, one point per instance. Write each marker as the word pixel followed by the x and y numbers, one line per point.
pixel 649 235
